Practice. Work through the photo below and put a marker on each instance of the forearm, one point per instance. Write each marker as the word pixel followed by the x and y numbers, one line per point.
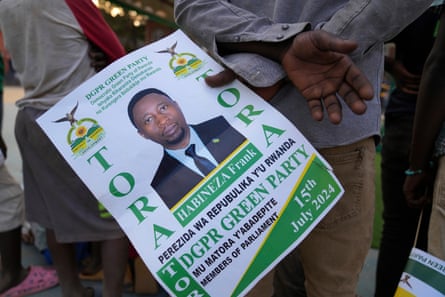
pixel 429 116
pixel 225 28
pixel 430 109
pixel 428 121
pixel 271 50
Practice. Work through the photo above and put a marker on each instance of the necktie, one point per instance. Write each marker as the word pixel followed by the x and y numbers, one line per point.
pixel 203 164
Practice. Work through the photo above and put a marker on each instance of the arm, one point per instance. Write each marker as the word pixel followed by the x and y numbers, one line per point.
pixel 405 80
pixel 367 22
pixel 316 62
pixel 430 114
pixel 214 22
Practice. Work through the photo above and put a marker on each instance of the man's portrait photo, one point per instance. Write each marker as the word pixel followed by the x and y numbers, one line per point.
pixel 191 151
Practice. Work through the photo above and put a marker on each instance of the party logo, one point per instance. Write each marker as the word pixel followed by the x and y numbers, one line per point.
pixel 83 133
pixel 182 64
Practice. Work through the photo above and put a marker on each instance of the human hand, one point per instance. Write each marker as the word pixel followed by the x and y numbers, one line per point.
pixel 99 59
pixel 405 80
pixel 220 79
pixel 318 65
pixel 417 189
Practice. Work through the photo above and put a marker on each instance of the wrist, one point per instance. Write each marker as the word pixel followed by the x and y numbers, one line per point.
pixel 284 49
pixel 410 171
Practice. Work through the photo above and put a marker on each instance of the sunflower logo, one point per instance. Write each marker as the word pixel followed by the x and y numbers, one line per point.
pixel 182 64
pixel 181 61
pixel 81 131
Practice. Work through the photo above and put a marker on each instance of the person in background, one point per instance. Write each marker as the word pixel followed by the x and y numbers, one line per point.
pixel 400 221
pixel 428 145
pixel 15 280
pixel 49 42
pixel 328 87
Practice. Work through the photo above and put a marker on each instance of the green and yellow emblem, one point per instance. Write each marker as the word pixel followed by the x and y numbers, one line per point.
pixel 182 64
pixel 83 134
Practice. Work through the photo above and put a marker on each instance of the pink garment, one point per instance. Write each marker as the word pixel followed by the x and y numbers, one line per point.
pixel 96 29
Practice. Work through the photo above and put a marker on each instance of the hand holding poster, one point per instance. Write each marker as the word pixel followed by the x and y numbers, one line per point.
pixel 212 185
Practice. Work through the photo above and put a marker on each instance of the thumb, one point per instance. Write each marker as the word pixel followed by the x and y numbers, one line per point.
pixel 224 77
pixel 327 41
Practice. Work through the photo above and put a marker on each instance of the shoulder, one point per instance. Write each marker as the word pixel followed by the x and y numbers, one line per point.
pixel 219 123
pixel 164 168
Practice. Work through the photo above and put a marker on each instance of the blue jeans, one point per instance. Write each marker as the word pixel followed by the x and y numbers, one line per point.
pixel 333 254
pixel 399 221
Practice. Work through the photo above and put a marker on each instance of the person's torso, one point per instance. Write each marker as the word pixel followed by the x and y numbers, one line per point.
pixel 48 48
pixel 290 102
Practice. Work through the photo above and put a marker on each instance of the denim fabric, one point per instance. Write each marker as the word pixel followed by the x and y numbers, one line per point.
pixel 399 221
pixel 331 267
pixel 436 234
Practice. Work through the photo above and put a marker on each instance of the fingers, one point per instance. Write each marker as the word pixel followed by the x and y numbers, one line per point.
pixel 359 82
pixel 416 202
pixel 321 101
pixel 331 105
pixel 352 99
pixel 316 109
pixel 333 108
pixel 415 190
pixel 356 89
pixel 328 42
pixel 224 77
pixel 360 87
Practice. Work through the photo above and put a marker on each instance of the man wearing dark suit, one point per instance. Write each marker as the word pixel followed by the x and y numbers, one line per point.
pixel 190 151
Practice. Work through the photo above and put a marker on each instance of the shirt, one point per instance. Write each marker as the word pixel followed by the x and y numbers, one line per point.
pixel 53 58
pixel 369 22
pixel 201 150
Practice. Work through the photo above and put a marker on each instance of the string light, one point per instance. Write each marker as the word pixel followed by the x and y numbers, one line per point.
pixel 117 11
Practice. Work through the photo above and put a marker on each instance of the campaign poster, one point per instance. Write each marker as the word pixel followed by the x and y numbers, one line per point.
pixel 202 232
pixel 424 275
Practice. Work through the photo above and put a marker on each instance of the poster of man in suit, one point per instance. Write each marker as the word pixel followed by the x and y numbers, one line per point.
pixel 213 186
pixel 191 152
